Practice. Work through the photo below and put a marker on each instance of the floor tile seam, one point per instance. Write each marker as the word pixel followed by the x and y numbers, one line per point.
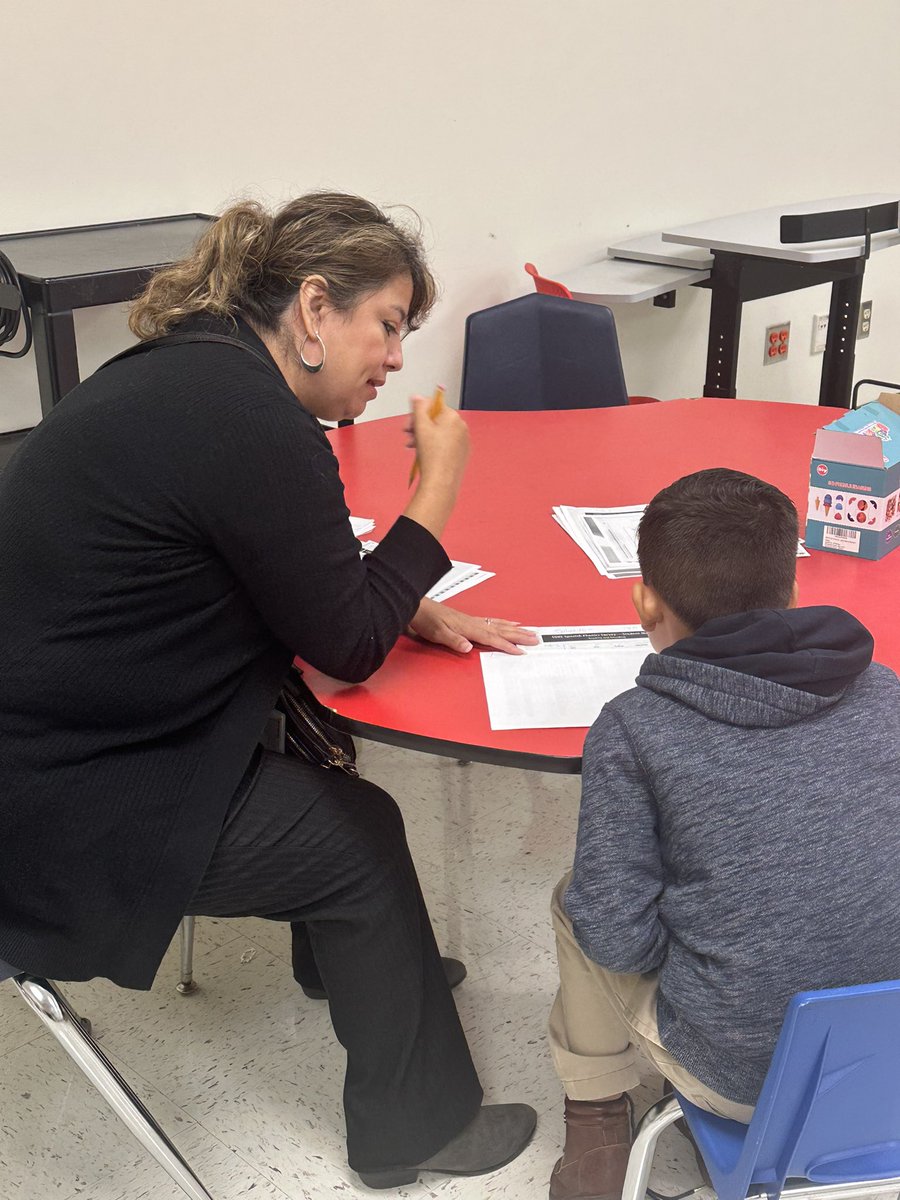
pixel 217 945
pixel 40 1034
pixel 148 1161
pixel 237 1154
pixel 129 1074
pixel 513 937
pixel 259 1074
pixel 257 1077
pixel 260 1169
pixel 132 1075
pixel 532 941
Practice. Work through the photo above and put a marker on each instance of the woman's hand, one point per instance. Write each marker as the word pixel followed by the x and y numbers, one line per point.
pixel 441 443
pixel 459 631
pixel 442 446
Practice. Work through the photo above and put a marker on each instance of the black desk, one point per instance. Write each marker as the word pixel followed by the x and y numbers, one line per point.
pixel 83 266
pixel 739 277
pixel 750 262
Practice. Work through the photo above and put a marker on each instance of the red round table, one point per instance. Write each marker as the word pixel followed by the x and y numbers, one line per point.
pixel 524 463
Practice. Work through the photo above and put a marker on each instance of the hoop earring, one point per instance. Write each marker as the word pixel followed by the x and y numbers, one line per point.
pixel 313 368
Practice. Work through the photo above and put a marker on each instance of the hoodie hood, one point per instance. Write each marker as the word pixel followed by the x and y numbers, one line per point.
pixel 768 667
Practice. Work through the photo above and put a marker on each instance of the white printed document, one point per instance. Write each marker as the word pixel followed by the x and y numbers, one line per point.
pixel 460 576
pixel 609 537
pixel 564 680
pixel 361 525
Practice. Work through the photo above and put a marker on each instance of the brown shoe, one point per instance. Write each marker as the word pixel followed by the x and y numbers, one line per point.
pixel 598 1141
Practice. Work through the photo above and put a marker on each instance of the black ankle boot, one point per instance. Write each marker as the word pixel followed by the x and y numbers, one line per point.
pixel 499 1133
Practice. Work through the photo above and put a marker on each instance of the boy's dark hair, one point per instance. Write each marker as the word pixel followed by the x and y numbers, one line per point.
pixel 719 542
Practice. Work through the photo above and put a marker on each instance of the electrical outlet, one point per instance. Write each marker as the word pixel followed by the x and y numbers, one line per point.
pixel 777 341
pixel 819 333
pixel 865 320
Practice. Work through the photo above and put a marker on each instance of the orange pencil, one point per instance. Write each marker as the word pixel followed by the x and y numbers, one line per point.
pixel 437 404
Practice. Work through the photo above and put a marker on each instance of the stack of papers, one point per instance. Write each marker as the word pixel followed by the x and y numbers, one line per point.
pixel 361 525
pixel 565 679
pixel 608 536
pixel 460 576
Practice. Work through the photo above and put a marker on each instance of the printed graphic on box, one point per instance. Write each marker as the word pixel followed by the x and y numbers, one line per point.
pixel 852 508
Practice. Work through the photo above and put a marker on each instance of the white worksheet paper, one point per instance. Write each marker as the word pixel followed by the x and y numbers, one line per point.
pixel 564 681
pixel 361 525
pixel 459 578
pixel 609 537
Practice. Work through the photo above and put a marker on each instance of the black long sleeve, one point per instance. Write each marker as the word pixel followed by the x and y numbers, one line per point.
pixel 170 536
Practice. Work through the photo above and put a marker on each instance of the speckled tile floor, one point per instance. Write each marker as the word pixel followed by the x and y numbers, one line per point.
pixel 246 1075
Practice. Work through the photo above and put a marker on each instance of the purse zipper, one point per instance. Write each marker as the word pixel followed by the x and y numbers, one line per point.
pixel 336 756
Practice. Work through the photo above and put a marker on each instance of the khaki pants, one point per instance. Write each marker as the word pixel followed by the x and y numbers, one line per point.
pixel 599 1019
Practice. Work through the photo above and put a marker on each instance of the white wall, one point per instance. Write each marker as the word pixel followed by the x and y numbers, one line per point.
pixel 519 129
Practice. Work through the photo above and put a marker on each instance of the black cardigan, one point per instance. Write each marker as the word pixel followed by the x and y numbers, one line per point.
pixel 171 534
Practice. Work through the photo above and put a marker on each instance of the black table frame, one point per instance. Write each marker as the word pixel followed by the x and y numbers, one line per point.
pixel 52 299
pixel 736 278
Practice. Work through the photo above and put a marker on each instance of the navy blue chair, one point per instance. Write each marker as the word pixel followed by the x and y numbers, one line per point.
pixel 542 352
pixel 73 1034
pixel 828 1115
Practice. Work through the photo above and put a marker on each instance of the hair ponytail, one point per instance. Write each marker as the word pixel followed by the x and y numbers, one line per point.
pixel 213 278
pixel 252 263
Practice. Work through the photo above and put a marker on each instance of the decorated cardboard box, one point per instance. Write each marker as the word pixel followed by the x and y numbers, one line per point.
pixel 855 484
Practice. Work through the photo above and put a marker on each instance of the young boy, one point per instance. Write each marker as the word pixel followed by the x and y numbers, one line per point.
pixel 739 834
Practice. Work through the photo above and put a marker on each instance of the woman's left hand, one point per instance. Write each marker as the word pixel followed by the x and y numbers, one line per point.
pixel 459 631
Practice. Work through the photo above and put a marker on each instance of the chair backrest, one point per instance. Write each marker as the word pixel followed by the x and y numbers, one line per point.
pixel 547 287
pixel 829 1110
pixel 540 352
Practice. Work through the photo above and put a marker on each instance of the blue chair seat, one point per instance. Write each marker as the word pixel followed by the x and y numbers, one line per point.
pixel 828 1113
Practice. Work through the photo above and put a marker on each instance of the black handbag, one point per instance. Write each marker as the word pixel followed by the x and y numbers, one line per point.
pixel 308 732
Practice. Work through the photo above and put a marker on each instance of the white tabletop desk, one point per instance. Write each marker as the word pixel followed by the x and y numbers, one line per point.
pixel 651 248
pixel 615 281
pixel 758 232
pixel 750 261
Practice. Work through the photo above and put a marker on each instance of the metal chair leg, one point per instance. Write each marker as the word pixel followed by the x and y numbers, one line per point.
pixel 45 999
pixel 650 1126
pixel 186 984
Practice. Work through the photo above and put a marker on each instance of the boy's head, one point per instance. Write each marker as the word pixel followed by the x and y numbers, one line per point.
pixel 714 543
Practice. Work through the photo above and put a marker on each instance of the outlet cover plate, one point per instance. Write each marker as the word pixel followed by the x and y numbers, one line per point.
pixel 778 339
pixel 864 327
pixel 819 333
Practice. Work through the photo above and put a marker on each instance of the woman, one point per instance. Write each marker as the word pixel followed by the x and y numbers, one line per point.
pixel 171 535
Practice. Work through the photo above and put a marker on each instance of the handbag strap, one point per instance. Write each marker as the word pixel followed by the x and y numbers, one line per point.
pixel 181 339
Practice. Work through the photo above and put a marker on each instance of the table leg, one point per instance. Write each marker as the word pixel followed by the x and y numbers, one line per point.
pixel 840 345
pixel 55 354
pixel 724 329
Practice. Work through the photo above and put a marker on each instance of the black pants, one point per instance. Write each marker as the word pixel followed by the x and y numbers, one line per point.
pixel 328 853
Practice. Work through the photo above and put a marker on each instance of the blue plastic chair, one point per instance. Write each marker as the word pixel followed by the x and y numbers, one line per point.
pixel 542 352
pixel 73 1034
pixel 828 1114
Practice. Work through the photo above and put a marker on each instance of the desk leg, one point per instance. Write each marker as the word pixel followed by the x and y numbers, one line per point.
pixel 724 330
pixel 55 355
pixel 840 346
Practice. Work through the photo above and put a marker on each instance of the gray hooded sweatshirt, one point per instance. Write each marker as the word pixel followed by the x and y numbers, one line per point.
pixel 740 831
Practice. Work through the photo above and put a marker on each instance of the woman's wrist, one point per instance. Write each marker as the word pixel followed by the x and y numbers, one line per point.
pixel 431 507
